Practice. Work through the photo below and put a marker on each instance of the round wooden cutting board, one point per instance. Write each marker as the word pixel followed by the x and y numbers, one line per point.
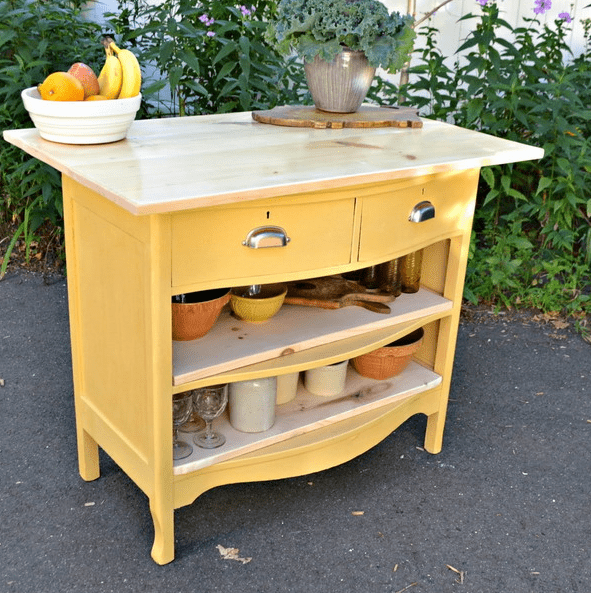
pixel 367 116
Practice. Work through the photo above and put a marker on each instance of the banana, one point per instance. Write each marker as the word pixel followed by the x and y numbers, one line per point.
pixel 111 76
pixel 132 75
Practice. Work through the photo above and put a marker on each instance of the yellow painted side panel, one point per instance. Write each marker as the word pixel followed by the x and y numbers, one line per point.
pixel 114 340
pixel 434 266
pixel 120 319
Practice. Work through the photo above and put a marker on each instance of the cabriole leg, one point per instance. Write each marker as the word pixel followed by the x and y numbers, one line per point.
pixel 163 518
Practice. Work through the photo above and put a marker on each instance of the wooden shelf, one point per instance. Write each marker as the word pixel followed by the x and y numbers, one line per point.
pixel 308 412
pixel 233 344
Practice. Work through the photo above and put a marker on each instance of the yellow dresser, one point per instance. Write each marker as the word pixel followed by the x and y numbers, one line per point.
pixel 171 209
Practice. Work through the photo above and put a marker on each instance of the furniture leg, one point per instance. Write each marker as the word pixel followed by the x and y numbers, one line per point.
pixel 434 432
pixel 163 518
pixel 88 456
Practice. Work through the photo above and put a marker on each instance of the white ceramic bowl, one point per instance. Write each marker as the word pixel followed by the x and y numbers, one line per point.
pixel 81 122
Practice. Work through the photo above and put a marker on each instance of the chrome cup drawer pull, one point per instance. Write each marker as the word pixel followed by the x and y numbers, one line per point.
pixel 422 211
pixel 266 236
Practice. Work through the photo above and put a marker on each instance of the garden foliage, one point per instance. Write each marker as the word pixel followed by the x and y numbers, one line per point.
pixel 36 38
pixel 207 57
pixel 318 28
pixel 532 234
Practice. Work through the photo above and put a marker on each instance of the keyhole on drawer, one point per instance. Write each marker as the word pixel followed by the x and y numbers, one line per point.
pixel 268 214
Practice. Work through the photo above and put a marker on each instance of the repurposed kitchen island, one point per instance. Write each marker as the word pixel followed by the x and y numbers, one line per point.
pixel 168 210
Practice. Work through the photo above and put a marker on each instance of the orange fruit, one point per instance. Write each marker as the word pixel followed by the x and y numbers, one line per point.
pixel 61 86
pixel 87 77
pixel 97 98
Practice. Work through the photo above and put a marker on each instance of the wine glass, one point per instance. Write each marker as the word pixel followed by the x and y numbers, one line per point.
pixel 210 402
pixel 182 404
pixel 195 423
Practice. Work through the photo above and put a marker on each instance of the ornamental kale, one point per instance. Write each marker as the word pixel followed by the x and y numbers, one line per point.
pixel 324 27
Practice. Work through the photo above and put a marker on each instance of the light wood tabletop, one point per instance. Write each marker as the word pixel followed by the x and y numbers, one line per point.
pixel 172 164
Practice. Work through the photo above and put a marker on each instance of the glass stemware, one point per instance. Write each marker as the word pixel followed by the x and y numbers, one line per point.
pixel 210 402
pixel 182 404
pixel 195 423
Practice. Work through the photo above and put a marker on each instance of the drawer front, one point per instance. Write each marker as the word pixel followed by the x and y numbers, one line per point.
pixel 207 244
pixel 386 228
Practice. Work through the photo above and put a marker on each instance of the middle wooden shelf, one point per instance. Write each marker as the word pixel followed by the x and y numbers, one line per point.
pixel 233 344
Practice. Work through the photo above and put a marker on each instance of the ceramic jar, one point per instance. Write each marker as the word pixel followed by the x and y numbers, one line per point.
pixel 327 380
pixel 251 404
pixel 287 387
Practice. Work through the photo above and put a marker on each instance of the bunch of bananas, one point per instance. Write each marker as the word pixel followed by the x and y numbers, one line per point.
pixel 120 77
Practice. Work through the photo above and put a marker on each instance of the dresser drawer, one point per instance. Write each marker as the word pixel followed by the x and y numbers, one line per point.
pixel 208 244
pixel 447 201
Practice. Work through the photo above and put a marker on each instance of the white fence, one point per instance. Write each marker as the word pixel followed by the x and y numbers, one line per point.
pixel 446 20
pixel 453 32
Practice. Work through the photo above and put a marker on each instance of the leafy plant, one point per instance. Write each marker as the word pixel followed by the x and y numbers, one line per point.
pixel 209 57
pixel 322 27
pixel 532 90
pixel 532 234
pixel 36 38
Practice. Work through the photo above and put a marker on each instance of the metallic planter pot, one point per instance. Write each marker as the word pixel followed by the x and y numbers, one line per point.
pixel 340 86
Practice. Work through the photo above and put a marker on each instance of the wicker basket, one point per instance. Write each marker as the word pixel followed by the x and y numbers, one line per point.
pixel 389 360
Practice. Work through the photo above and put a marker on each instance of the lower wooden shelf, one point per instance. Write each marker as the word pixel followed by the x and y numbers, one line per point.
pixel 308 412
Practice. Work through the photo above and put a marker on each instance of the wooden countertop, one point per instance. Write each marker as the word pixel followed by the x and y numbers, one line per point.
pixel 171 164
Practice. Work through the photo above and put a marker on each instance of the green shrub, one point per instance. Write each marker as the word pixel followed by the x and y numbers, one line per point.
pixel 532 234
pixel 209 57
pixel 36 38
pixel 533 219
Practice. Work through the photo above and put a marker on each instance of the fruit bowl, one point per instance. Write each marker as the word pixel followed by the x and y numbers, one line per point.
pixel 81 122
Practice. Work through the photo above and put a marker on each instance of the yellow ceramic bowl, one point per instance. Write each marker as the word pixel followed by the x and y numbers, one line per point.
pixel 259 307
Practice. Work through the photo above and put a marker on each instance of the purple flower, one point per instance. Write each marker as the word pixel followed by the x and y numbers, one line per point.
pixel 542 6
pixel 482 2
pixel 565 16
pixel 245 11
pixel 204 18
pixel 210 33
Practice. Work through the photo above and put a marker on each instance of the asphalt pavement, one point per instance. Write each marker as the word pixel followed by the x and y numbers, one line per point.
pixel 505 507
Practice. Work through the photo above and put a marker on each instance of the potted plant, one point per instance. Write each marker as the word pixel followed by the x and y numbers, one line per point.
pixel 342 42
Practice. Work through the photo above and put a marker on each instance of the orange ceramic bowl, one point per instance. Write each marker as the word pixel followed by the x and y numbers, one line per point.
pixel 197 315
